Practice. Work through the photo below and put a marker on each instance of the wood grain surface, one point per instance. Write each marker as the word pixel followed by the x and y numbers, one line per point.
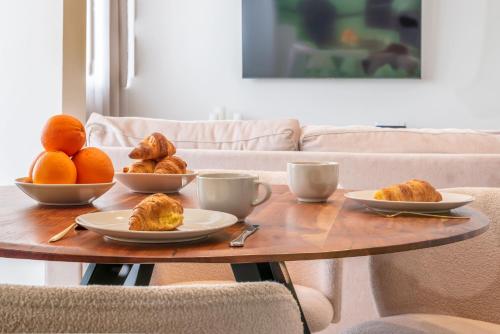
pixel 289 231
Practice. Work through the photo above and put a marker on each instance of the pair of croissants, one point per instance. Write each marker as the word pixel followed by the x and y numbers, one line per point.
pixel 157 155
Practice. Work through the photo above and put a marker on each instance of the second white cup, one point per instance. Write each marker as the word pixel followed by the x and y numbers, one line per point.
pixel 313 181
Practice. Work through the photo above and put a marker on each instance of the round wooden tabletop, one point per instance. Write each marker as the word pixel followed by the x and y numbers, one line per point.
pixel 289 231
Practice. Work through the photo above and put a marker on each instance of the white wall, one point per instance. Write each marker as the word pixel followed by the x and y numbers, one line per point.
pixel 189 60
pixel 30 79
pixel 30 92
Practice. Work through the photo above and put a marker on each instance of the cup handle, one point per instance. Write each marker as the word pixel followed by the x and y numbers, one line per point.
pixel 266 196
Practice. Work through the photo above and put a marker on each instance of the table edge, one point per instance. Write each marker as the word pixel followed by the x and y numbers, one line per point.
pixel 33 255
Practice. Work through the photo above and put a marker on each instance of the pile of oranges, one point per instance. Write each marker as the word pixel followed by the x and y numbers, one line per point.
pixel 64 160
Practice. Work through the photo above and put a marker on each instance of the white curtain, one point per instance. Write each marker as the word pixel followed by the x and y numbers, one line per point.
pixel 110 55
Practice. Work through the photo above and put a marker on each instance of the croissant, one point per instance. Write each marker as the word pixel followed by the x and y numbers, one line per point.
pixel 157 212
pixel 411 191
pixel 155 146
pixel 171 165
pixel 144 166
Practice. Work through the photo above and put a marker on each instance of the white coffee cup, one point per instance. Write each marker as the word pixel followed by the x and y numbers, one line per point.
pixel 231 193
pixel 313 181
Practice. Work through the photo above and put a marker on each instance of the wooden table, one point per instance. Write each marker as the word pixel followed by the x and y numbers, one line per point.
pixel 288 231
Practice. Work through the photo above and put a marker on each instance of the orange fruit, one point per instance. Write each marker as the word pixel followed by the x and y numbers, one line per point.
pixel 63 133
pixel 93 166
pixel 29 178
pixel 54 168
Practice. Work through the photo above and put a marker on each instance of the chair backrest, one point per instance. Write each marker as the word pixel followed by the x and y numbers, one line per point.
pixel 461 279
pixel 231 308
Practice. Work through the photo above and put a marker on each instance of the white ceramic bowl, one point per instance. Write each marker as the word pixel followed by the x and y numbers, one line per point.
pixel 150 183
pixel 64 194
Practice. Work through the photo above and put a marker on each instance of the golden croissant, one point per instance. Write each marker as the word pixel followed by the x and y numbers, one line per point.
pixel 171 165
pixel 155 146
pixel 144 166
pixel 157 212
pixel 411 191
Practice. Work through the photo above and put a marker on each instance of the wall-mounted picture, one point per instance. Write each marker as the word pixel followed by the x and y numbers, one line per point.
pixel 331 38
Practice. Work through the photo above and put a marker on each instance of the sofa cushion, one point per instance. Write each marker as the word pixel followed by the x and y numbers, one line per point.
pixel 272 135
pixel 424 324
pixel 357 170
pixel 366 139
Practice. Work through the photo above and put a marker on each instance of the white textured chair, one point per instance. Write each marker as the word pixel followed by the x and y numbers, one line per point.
pixel 440 290
pixel 246 308
pixel 315 281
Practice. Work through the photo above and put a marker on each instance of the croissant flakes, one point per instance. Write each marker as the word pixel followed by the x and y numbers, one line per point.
pixel 411 191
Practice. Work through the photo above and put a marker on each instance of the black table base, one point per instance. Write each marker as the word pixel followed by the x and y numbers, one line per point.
pixel 140 275
pixel 118 274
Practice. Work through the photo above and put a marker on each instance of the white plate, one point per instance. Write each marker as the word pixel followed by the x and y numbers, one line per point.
pixel 64 194
pixel 150 183
pixel 198 224
pixel 450 201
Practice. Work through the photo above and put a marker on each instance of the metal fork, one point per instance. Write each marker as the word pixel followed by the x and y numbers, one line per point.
pixel 399 213
pixel 240 240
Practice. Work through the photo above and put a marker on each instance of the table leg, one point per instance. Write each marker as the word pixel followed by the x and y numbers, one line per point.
pixel 268 271
pixel 118 274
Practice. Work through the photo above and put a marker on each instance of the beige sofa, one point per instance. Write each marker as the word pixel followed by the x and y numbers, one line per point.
pixel 369 157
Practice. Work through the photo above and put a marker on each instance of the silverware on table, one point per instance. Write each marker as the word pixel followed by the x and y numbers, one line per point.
pixel 63 233
pixel 240 240
pixel 399 213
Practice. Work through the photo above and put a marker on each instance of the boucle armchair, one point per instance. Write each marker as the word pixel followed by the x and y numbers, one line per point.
pixel 315 281
pixel 233 308
pixel 440 290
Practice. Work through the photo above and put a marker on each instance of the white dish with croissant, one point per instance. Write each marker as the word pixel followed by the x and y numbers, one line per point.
pixel 156 168
pixel 197 224
pixel 448 202
pixel 413 195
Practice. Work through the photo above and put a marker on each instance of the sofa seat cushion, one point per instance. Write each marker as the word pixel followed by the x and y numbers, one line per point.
pixel 366 139
pixel 357 170
pixel 316 307
pixel 272 135
pixel 423 324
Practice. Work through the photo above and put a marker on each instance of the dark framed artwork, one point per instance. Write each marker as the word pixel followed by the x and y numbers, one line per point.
pixel 332 38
